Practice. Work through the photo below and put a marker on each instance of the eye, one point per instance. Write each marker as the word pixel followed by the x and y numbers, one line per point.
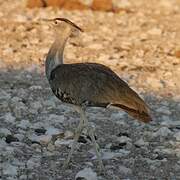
pixel 55 22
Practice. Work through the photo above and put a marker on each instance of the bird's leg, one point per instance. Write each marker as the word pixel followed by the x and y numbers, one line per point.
pixel 91 134
pixel 76 137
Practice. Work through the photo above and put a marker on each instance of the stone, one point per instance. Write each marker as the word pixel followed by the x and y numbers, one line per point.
pixel 102 5
pixel 36 105
pixel 10 170
pixel 9 118
pixel 110 155
pixel 164 110
pixel 124 170
pixel 33 163
pixel 177 136
pixel 177 53
pixel 60 143
pixel 155 31
pixel 4 132
pixel 141 142
pixel 52 131
pixel 74 5
pixel 4 95
pixel 162 132
pixel 55 3
pixel 35 3
pixel 45 139
pixel 40 131
pixel 86 174
pixel 56 118
pixel 10 138
pixel 68 135
pixel 86 2
pixel 123 139
pixel 42 139
pixel 24 124
pixel 121 4
pixel 35 87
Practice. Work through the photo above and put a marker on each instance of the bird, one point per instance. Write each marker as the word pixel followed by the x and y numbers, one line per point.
pixel 86 84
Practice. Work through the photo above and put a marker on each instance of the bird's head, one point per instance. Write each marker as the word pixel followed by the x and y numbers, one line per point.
pixel 64 26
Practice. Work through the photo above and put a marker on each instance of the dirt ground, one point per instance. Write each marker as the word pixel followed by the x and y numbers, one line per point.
pixel 141 44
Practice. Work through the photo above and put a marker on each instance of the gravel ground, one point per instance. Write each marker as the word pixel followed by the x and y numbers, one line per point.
pixel 142 44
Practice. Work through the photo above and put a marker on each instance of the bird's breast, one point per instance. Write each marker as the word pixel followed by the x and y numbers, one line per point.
pixel 63 96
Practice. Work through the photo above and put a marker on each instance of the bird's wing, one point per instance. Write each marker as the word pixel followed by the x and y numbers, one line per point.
pixel 98 85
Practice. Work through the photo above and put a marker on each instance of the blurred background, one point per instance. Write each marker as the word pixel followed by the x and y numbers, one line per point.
pixel 138 39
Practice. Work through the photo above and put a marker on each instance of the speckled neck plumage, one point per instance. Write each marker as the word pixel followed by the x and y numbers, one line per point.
pixel 55 54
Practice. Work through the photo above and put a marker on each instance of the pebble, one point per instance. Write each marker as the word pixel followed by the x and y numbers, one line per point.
pixel 124 170
pixel 10 170
pixel 33 163
pixel 86 174
pixel 4 132
pixel 155 31
pixel 35 87
pixel 42 139
pixel 162 132
pixel 10 138
pixel 4 95
pixel 110 155
pixel 56 118
pixel 177 136
pixel 164 110
pixel 24 124
pixel 59 143
pixel 52 131
pixel 141 142
pixel 9 118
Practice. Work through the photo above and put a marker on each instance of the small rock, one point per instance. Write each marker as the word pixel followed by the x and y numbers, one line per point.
pixel 110 155
pixel 42 139
pixel 19 136
pixel 4 95
pixel 50 147
pixel 117 116
pixel 155 31
pixel 4 132
pixel 141 142
pixel 177 136
pixel 87 174
pixel 45 139
pixel 59 143
pixel 52 131
pixel 124 170
pixel 164 110
pixel 163 132
pixel 32 88
pixel 10 170
pixel 36 105
pixel 56 118
pixel 68 135
pixel 40 131
pixel 118 146
pixel 123 139
pixel 23 177
pixel 10 138
pixel 33 163
pixel 121 4
pixel 9 118
pixel 95 46
pixel 24 124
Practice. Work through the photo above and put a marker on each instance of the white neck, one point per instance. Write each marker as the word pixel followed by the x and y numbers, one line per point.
pixel 55 54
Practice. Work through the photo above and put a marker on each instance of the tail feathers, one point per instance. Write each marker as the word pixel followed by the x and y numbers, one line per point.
pixel 141 115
